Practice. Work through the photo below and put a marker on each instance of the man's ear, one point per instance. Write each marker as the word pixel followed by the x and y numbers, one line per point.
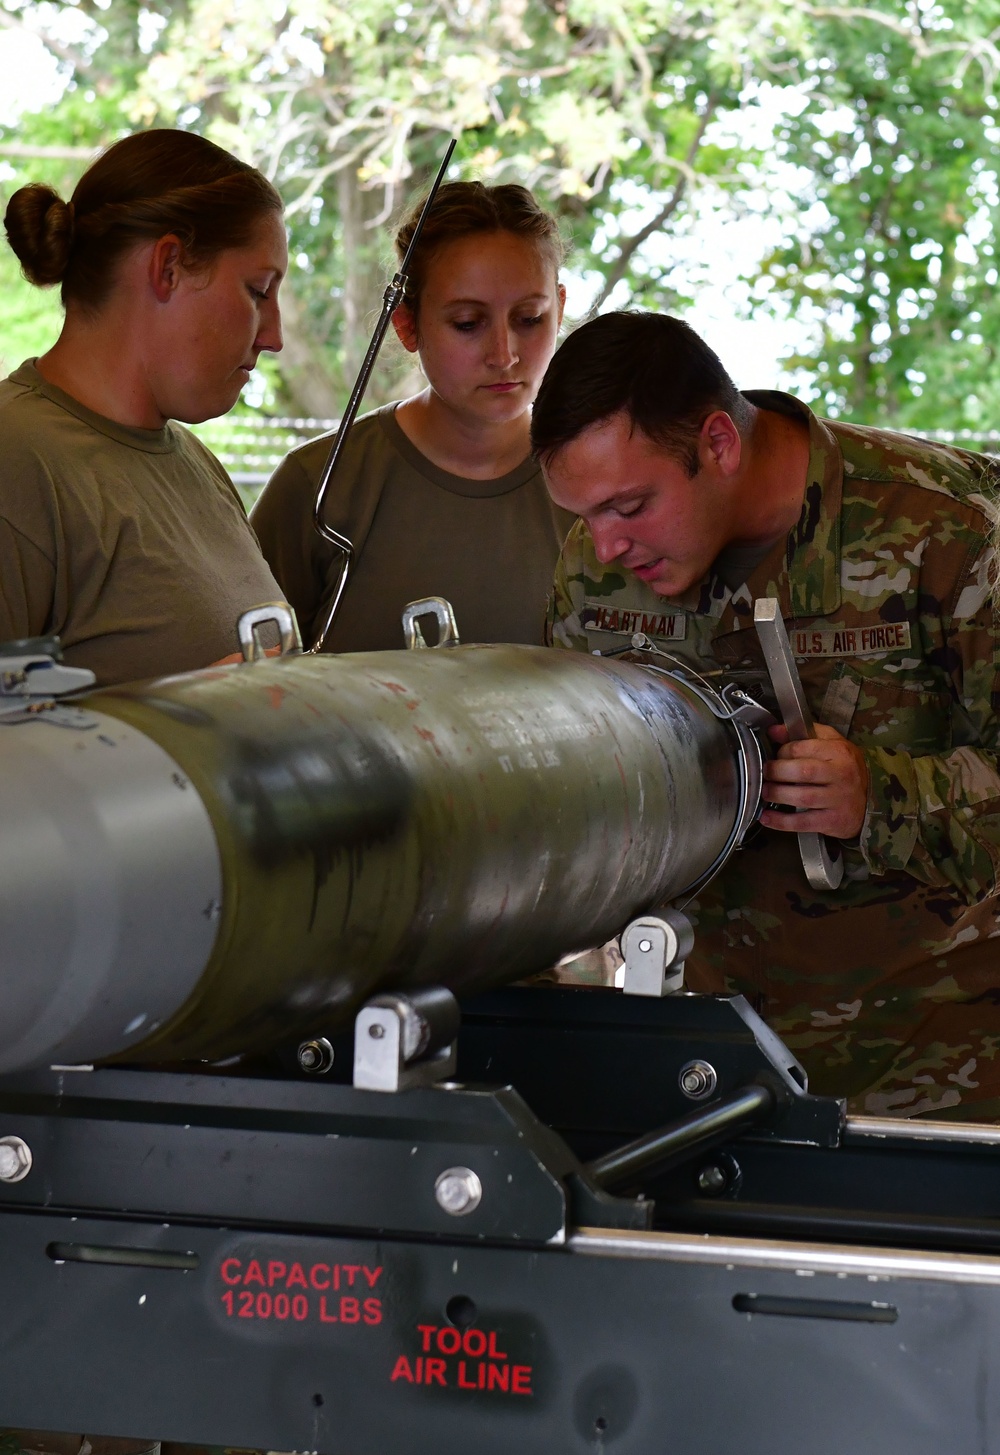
pixel 405 324
pixel 719 443
pixel 166 265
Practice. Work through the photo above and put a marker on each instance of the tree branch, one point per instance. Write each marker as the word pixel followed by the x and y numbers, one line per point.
pixel 631 245
pixel 53 153
pixel 64 52
pixel 878 17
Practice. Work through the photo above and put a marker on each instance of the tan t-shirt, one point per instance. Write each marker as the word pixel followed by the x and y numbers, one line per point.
pixel 488 546
pixel 131 544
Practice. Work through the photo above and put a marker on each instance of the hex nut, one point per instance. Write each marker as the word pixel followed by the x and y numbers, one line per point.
pixel 458 1191
pixel 316 1056
pixel 15 1159
pixel 697 1079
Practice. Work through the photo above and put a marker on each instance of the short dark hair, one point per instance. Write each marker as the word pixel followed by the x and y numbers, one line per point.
pixel 143 187
pixel 652 366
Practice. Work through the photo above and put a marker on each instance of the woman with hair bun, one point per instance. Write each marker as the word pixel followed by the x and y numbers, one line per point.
pixel 119 531
pixel 439 494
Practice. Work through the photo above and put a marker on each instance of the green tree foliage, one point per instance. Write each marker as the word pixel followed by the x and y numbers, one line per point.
pixel 901 144
pixel 628 117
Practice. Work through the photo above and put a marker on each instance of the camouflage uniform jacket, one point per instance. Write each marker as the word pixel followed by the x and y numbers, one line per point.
pixel 888 989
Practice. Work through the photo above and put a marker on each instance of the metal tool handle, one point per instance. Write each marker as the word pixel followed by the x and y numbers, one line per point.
pixel 823 865
pixel 391 299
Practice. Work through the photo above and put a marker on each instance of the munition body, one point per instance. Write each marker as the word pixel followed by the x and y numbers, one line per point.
pixel 211 864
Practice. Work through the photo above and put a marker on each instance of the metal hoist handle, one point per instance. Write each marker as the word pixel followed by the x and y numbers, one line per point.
pixel 276 613
pixel 442 612
pixel 821 859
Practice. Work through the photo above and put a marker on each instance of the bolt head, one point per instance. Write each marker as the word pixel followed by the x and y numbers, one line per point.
pixel 712 1179
pixel 458 1191
pixel 376 1031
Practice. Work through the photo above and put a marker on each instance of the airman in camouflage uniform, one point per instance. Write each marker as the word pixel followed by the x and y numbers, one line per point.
pixel 888 989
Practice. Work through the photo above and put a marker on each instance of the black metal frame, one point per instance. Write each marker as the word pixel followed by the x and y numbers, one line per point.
pixel 260 1260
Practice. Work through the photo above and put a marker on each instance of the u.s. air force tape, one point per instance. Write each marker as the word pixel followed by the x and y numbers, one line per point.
pixel 851 641
pixel 661 626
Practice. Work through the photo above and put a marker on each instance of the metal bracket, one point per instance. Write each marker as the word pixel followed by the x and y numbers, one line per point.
pixel 443 613
pixel 823 865
pixel 38 675
pixel 30 682
pixel 402 1041
pixel 278 613
pixel 655 947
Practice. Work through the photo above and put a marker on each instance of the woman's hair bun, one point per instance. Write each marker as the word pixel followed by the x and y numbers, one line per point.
pixel 39 228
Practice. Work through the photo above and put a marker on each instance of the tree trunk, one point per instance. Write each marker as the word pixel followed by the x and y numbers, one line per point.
pixel 365 267
pixel 304 372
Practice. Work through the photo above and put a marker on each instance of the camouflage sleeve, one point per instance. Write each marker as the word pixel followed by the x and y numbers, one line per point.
pixel 563 626
pixel 938 816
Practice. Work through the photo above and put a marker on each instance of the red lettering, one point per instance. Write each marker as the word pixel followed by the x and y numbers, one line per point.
pixel 434 1372
pixel 817 642
pixel 401 1370
pixel 852 641
pixel 297 1277
pixel 464 1383
pixel 324 1317
pixel 520 1379
pixel 275 1273
pixel 498 1376
pixel 350 1310
pixel 900 637
pixel 263 1305
pixel 474 1343
pixel 282 1305
pixel 314 1280
pixel 300 1307
pixel 495 1353
pixel 800 643
pixel 350 1269
pixel 236 1266
pixel 227 1299
pixel 254 1273
pixel 335 1270
pixel 373 1275
pixel 613 622
pixel 449 1341
pixel 373 1310
pixel 246 1304
pixel 426 1332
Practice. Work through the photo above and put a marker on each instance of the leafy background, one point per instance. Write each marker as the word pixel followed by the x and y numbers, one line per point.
pixel 829 171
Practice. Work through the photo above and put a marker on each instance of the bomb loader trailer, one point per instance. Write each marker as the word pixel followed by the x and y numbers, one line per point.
pixel 365 1239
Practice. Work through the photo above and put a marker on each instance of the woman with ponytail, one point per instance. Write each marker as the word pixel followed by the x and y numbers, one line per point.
pixel 119 531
